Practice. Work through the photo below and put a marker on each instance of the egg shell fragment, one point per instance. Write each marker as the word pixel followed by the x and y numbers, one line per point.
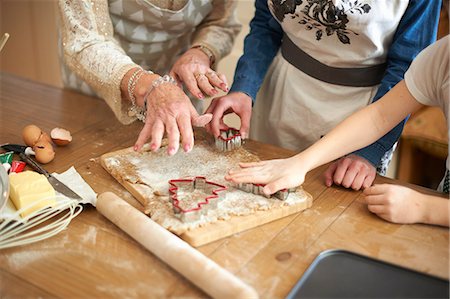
pixel 61 136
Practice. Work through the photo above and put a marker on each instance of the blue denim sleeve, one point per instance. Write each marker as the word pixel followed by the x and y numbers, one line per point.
pixel 260 47
pixel 416 30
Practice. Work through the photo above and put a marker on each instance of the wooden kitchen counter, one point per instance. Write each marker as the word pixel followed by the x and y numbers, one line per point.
pixel 95 259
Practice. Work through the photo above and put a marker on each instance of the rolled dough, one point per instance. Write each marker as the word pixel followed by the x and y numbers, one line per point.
pixel 148 173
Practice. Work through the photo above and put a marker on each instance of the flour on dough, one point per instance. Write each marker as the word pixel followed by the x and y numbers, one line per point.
pixel 150 173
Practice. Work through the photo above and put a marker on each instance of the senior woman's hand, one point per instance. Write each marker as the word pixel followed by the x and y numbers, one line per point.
pixel 193 69
pixel 168 109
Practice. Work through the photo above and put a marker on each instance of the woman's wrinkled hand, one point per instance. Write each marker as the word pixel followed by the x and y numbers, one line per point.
pixel 193 69
pixel 170 110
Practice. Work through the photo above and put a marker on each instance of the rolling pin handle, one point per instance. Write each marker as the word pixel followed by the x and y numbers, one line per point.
pixel 200 270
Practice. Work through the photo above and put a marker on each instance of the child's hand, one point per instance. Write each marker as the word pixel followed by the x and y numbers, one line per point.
pixel 351 171
pixel 276 174
pixel 395 203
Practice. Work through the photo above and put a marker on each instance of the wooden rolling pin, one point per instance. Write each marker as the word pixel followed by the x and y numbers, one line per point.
pixel 200 270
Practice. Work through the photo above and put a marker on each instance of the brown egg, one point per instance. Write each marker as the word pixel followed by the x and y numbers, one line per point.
pixel 45 137
pixel 44 152
pixel 61 136
pixel 31 134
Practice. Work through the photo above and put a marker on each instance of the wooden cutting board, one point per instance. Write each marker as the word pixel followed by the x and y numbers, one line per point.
pixel 211 231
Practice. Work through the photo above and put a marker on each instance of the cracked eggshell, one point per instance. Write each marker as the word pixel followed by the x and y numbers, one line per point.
pixel 31 134
pixel 61 136
pixel 45 137
pixel 44 152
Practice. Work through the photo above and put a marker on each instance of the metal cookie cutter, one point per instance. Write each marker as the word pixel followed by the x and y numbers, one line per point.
pixel 258 190
pixel 228 139
pixel 188 186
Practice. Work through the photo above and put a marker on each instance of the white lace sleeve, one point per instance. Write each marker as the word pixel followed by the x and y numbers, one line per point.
pixel 91 51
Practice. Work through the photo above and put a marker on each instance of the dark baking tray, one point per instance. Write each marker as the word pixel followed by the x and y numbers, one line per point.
pixel 343 274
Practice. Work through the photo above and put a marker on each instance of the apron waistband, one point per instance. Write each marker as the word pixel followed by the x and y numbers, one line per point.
pixel 356 77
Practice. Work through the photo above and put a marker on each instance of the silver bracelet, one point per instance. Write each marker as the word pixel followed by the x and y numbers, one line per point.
pixel 161 80
pixel 132 84
pixel 135 110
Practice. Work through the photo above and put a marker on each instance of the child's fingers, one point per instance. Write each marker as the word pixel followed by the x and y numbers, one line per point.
pixel 274 186
pixel 251 164
pixel 328 174
pixel 358 181
pixel 375 189
pixel 375 200
pixel 349 177
pixel 377 209
pixel 242 171
pixel 387 217
pixel 341 171
pixel 233 178
pixel 249 177
pixel 239 174
pixel 369 179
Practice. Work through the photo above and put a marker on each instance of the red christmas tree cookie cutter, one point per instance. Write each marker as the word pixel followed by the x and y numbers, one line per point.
pixel 189 186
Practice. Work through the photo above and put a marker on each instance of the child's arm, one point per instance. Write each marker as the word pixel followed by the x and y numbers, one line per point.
pixel 401 204
pixel 358 130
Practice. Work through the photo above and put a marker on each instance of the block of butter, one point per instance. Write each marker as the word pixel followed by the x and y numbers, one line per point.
pixel 29 188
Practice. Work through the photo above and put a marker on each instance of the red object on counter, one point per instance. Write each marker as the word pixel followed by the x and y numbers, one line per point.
pixel 17 166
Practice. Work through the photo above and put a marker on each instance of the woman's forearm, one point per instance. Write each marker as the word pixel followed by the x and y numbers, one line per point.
pixel 92 53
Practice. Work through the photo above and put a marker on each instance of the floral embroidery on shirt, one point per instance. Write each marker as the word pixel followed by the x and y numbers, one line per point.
pixel 284 7
pixel 323 16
